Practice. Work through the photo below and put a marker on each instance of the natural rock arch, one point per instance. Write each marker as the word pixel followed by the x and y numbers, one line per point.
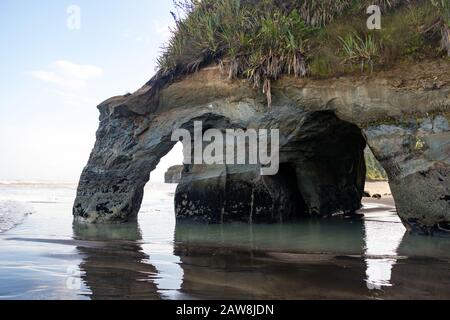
pixel 408 132
pixel 322 172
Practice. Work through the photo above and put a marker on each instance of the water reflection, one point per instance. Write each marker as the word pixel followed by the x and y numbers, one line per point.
pixel 114 264
pixel 415 246
pixel 223 261
pixel 170 274
pixel 310 259
pixel 155 259
pixel 383 236
pixel 426 272
pixel 222 273
pixel 309 235
pixel 288 261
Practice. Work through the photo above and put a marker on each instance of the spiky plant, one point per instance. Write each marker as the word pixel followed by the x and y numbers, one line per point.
pixel 443 22
pixel 280 48
pixel 319 13
pixel 262 40
pixel 259 41
pixel 387 4
pixel 362 51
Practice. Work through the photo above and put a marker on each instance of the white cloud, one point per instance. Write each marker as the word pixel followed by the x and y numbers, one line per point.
pixel 68 74
pixel 46 76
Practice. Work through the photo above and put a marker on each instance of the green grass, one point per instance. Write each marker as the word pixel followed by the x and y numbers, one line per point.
pixel 347 46
pixel 362 51
pixel 444 8
pixel 261 40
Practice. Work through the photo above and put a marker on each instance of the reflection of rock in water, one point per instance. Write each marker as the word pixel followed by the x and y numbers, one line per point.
pixel 235 266
pixel 225 273
pixel 307 235
pixel 425 274
pixel 297 261
pixel 420 278
pixel 433 247
pixel 115 267
pixel 307 260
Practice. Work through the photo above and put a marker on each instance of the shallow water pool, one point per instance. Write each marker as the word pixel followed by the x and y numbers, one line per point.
pixel 46 256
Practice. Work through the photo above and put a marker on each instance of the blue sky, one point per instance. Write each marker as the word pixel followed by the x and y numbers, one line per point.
pixel 52 78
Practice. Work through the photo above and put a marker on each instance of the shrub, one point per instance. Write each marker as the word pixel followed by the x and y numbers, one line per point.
pixel 256 41
pixel 443 23
pixel 357 50
pixel 262 40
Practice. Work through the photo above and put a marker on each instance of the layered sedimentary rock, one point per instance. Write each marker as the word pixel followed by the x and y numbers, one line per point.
pixel 324 127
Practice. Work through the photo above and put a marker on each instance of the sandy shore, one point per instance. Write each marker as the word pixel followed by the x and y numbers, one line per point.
pixel 382 188
pixel 378 187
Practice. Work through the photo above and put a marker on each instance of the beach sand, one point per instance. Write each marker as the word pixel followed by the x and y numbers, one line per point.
pixel 378 187
pixel 382 188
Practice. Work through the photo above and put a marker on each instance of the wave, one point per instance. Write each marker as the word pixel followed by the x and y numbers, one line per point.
pixel 12 213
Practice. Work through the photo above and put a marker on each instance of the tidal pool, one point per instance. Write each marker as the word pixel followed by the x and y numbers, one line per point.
pixel 43 255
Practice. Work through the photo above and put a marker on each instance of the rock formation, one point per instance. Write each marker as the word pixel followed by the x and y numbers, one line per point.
pixel 324 128
pixel 173 174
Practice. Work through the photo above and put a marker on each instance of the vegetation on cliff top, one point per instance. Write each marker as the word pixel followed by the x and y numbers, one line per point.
pixel 262 40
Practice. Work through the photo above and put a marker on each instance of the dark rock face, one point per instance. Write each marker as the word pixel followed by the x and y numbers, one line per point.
pixel 173 174
pixel 219 195
pixel 324 127
pixel 322 172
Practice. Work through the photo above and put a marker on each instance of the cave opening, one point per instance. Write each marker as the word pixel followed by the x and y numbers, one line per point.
pixel 322 173
pixel 327 154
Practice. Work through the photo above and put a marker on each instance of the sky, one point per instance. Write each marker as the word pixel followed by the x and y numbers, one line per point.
pixel 58 61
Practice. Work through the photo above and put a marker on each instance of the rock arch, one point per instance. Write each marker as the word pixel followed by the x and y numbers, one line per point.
pixel 408 132
pixel 322 172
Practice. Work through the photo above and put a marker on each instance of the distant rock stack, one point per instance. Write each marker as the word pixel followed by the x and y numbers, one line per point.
pixel 173 174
